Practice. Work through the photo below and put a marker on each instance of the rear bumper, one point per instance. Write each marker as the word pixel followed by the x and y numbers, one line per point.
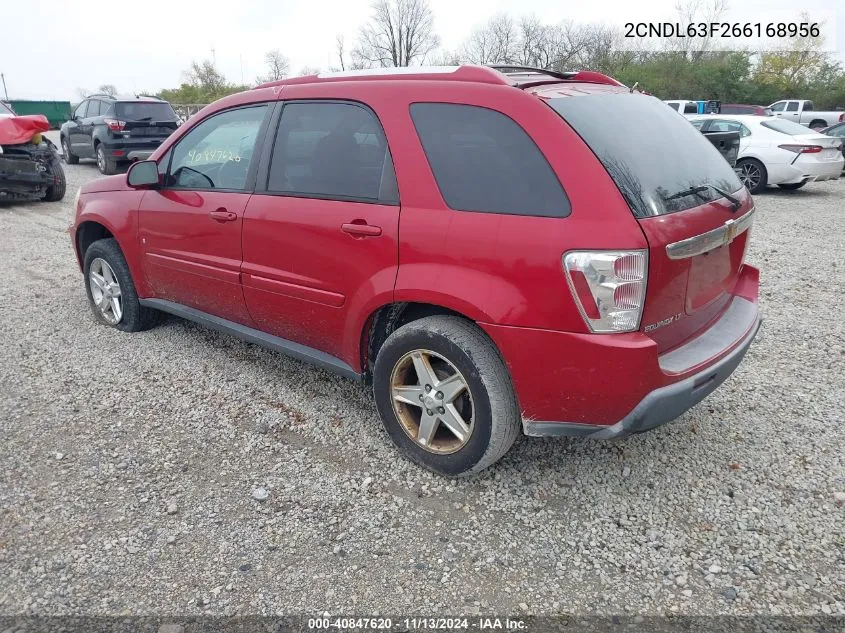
pixel 131 149
pixel 659 406
pixel 605 386
pixel 809 171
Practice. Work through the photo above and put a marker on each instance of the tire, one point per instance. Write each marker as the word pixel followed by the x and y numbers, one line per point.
pixel 818 124
pixel 757 185
pixel 70 159
pixel 134 317
pixel 487 398
pixel 56 191
pixel 793 186
pixel 106 165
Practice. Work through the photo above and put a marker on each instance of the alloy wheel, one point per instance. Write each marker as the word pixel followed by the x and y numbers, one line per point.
pixel 749 175
pixel 105 290
pixel 101 159
pixel 432 401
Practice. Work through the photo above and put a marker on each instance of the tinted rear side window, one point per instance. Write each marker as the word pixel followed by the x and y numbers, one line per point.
pixel 651 154
pixel 144 111
pixel 690 108
pixel 484 161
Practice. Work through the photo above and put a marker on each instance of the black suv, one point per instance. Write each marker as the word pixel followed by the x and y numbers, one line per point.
pixel 115 130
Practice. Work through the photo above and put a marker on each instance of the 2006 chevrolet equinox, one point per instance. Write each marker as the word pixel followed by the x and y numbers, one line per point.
pixel 495 250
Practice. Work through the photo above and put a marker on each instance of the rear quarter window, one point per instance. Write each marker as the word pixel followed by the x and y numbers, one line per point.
pixel 484 161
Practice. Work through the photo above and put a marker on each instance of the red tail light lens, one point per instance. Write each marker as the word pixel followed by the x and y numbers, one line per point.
pixel 115 125
pixel 842 117
pixel 802 149
pixel 609 287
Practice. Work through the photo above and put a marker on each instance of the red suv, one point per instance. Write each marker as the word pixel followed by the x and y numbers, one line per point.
pixel 495 254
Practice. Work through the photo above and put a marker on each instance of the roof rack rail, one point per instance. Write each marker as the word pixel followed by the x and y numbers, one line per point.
pixel 536 75
pixel 148 97
pixel 99 94
pixel 509 69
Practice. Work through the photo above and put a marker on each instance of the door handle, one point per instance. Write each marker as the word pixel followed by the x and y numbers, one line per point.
pixel 221 215
pixel 361 228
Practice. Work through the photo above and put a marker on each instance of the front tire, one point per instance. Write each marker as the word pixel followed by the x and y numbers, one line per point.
pixel 107 166
pixel 753 175
pixel 111 291
pixel 445 396
pixel 56 191
pixel 70 158
pixel 793 185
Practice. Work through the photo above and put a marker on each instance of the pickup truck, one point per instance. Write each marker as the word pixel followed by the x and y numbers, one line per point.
pixel 802 111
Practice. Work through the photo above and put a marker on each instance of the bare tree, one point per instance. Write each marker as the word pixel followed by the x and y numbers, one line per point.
pixel 446 58
pixel 694 12
pixel 308 70
pixel 108 89
pixel 205 75
pixel 494 42
pixel 399 33
pixel 278 66
pixel 339 49
pixel 350 60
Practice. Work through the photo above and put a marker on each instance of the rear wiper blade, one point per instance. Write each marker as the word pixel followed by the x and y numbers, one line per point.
pixel 145 118
pixel 735 202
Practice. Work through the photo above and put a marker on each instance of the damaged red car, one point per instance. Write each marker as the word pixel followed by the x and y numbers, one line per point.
pixel 30 168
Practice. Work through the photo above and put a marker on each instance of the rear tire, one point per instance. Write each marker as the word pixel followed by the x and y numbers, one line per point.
pixel 106 165
pixel 818 124
pixel 105 256
pixel 752 174
pixel 56 191
pixel 458 353
pixel 70 158
pixel 793 186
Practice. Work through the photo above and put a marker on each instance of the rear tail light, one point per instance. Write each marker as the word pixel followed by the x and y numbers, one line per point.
pixel 609 287
pixel 802 149
pixel 115 125
pixel 842 117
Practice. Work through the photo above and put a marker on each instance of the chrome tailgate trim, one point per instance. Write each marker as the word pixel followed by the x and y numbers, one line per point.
pixel 711 240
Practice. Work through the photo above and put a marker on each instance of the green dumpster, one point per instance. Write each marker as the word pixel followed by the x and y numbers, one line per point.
pixel 57 112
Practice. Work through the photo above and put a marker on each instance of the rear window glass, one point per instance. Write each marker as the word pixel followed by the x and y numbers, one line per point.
pixel 144 111
pixel 483 161
pixel 786 127
pixel 653 156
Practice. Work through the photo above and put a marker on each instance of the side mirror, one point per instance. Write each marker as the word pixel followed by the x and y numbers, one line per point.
pixel 143 174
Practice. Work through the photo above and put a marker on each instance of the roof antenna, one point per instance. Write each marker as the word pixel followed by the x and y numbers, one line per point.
pixel 634 87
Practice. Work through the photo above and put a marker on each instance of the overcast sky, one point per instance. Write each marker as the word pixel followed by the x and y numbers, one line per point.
pixel 49 48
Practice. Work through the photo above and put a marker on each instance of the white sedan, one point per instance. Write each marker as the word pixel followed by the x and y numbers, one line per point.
pixel 777 152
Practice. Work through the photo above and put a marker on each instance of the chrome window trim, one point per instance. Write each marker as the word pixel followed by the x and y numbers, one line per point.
pixel 711 240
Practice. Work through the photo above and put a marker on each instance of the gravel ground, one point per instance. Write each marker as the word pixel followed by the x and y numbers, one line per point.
pixel 130 467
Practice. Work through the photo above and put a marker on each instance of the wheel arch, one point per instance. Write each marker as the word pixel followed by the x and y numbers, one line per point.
pixel 87 233
pixel 386 319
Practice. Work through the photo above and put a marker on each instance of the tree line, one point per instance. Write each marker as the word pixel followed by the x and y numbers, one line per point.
pixel 402 33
